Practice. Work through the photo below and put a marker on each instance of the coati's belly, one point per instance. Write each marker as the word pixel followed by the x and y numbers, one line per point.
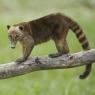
pixel 41 39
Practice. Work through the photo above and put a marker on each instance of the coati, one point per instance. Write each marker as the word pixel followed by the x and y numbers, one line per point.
pixel 53 26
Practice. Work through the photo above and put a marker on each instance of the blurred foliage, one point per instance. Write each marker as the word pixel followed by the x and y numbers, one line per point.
pixel 87 3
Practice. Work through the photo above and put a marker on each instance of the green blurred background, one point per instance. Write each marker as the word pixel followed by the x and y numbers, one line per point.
pixel 53 82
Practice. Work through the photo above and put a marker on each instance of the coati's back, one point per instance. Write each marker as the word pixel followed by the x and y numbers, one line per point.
pixel 46 27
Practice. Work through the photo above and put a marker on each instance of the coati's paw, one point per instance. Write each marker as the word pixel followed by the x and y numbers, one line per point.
pixel 20 60
pixel 55 55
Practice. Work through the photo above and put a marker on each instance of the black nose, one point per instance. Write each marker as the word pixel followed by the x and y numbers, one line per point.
pixel 12 47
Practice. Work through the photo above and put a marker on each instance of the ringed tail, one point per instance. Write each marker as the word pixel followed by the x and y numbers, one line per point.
pixel 83 40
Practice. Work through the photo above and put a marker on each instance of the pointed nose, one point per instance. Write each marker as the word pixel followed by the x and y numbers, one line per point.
pixel 12 47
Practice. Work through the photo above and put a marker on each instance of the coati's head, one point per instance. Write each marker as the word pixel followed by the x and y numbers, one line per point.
pixel 15 33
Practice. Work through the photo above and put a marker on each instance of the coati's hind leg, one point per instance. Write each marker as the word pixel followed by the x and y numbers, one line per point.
pixel 62 48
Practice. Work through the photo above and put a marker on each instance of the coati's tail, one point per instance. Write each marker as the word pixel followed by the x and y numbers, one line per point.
pixel 83 40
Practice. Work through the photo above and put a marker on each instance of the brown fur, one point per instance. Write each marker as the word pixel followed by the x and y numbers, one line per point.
pixel 55 27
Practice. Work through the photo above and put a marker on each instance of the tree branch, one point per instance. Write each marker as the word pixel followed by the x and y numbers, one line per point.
pixel 45 63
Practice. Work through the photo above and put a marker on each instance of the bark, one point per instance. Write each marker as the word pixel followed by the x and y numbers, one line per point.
pixel 13 69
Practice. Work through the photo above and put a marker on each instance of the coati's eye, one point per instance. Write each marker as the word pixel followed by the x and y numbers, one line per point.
pixel 17 36
pixel 21 28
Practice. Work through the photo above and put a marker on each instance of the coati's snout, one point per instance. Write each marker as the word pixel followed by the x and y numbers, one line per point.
pixel 13 40
pixel 13 44
pixel 13 47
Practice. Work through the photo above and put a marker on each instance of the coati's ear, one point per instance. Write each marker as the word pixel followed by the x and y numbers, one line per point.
pixel 21 28
pixel 8 26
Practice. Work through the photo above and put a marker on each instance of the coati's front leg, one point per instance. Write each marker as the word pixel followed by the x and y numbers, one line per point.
pixel 62 48
pixel 27 48
pixel 26 53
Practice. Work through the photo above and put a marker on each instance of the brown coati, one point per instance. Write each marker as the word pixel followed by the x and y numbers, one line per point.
pixel 53 26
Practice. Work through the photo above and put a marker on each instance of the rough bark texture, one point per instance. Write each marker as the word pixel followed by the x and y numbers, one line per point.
pixel 45 63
